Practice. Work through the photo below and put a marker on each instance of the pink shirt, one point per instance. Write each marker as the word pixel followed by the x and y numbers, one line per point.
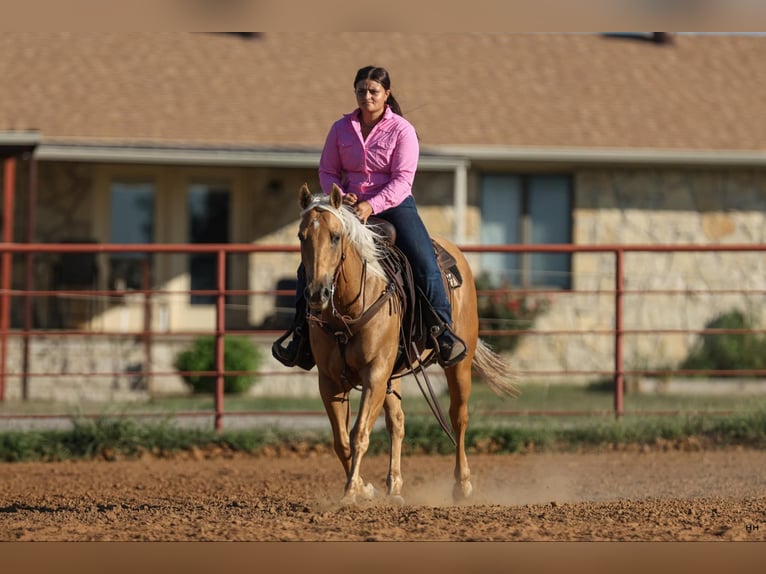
pixel 379 170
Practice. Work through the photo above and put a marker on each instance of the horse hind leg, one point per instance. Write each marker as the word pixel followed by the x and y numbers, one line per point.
pixel 395 426
pixel 459 382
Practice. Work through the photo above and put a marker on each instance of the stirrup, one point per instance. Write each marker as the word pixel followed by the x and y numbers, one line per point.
pixel 448 353
pixel 297 353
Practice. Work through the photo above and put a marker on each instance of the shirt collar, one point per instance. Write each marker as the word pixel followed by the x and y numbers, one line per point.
pixel 355 115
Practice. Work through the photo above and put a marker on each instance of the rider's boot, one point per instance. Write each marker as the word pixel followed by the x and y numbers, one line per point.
pixel 450 349
pixel 297 352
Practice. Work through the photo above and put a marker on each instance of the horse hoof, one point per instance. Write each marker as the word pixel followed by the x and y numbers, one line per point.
pixel 462 492
pixel 359 493
pixel 396 499
pixel 369 492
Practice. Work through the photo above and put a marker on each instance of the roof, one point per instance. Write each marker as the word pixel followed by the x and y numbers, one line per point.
pixel 281 91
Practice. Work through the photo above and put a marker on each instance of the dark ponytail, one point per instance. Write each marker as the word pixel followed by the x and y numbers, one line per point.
pixel 391 101
pixel 380 75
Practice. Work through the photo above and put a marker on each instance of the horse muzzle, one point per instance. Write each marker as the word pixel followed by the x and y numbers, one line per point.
pixel 319 294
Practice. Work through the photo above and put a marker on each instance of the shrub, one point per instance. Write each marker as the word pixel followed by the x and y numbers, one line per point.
pixel 503 310
pixel 241 358
pixel 728 351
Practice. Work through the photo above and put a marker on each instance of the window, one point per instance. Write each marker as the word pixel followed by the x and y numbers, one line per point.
pixel 209 220
pixel 131 220
pixel 527 209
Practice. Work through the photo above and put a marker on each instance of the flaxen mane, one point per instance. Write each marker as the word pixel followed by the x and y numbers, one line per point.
pixel 362 237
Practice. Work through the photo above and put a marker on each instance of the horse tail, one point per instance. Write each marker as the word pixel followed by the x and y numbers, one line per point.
pixel 494 370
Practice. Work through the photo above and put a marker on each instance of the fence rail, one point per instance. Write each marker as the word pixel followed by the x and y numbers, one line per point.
pixel 617 332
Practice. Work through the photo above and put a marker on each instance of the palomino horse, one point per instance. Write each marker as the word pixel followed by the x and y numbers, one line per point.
pixel 354 331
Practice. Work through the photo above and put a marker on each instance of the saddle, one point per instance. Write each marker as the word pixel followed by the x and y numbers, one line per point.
pixel 417 313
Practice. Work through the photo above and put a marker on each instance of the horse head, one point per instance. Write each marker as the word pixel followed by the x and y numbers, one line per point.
pixel 321 236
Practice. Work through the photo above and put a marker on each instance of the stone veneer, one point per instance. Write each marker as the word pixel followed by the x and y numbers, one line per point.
pixel 654 207
pixel 107 370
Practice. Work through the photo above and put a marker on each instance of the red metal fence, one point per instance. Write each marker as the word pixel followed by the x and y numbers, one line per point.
pixel 617 292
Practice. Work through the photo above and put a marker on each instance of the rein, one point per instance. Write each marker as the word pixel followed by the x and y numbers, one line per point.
pixel 351 323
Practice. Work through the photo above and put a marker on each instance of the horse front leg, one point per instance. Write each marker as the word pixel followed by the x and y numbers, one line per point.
pixel 336 404
pixel 459 382
pixel 395 427
pixel 371 403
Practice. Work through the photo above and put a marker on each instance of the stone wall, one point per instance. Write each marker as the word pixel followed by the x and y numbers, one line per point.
pixel 84 369
pixel 654 207
pixel 80 370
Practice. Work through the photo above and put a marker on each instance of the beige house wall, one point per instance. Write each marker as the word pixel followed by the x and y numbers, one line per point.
pixel 73 205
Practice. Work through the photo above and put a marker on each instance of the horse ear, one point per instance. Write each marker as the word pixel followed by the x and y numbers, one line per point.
pixel 304 196
pixel 336 196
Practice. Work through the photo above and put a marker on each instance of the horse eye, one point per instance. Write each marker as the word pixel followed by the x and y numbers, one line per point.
pixel 335 238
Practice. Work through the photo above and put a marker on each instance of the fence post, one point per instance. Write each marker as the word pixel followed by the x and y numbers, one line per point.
pixel 9 184
pixel 220 326
pixel 29 275
pixel 619 382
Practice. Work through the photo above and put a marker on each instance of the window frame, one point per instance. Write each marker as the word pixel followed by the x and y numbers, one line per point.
pixel 525 226
pixel 137 256
pixel 228 188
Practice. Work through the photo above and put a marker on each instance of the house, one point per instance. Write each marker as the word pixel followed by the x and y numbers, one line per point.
pixel 525 138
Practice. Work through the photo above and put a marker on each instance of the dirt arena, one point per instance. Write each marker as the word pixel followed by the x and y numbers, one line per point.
pixel 619 496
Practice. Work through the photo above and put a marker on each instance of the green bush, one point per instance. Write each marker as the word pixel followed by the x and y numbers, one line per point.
pixel 728 351
pixel 241 358
pixel 504 310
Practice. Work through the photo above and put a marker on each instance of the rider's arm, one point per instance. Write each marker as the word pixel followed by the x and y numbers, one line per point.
pixel 329 163
pixel 403 161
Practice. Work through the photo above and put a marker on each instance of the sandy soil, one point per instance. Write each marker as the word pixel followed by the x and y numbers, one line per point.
pixel 626 496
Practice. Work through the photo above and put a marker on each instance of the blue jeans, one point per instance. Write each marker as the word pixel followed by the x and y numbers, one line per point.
pixel 413 240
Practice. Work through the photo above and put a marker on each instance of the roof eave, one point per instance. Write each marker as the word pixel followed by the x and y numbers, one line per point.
pixel 214 156
pixel 432 158
pixel 14 143
pixel 596 156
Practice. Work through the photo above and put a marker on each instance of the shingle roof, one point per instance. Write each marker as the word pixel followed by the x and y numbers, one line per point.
pixel 464 89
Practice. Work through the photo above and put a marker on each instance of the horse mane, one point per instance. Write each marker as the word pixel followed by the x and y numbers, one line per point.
pixel 367 242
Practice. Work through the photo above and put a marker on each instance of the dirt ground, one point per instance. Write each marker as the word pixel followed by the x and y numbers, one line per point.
pixel 618 496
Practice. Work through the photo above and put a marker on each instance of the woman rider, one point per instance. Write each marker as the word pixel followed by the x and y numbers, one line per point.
pixel 372 154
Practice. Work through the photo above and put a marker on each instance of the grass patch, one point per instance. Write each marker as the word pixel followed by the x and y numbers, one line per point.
pixel 497 424
pixel 125 438
pixel 104 437
pixel 483 403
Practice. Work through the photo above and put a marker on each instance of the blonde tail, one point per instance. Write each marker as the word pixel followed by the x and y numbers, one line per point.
pixel 494 370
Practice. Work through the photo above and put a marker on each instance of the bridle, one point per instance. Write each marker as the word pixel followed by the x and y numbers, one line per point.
pixel 351 325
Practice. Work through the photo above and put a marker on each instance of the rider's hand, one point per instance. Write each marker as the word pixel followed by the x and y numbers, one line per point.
pixel 350 199
pixel 363 210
